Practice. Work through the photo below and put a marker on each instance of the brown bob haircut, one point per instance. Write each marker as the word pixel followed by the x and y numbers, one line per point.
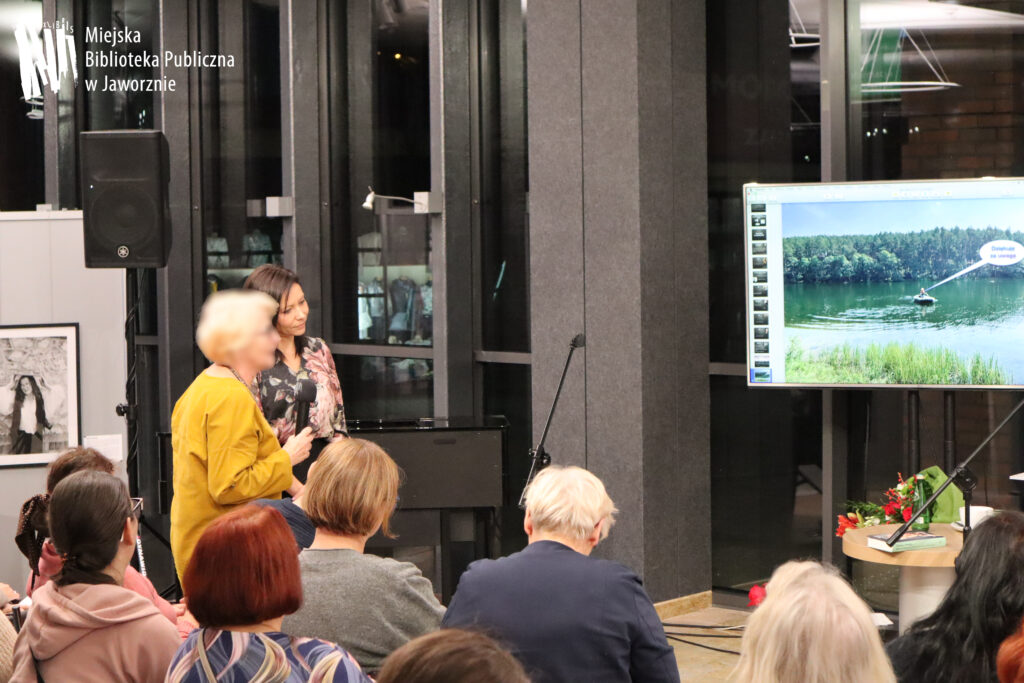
pixel 74 460
pixel 352 489
pixel 244 570
pixel 452 656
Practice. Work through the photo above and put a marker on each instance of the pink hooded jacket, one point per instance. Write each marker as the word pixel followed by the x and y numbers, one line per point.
pixel 93 632
pixel 50 563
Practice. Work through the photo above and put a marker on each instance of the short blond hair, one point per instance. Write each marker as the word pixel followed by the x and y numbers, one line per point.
pixel 570 502
pixel 230 319
pixel 352 489
pixel 811 628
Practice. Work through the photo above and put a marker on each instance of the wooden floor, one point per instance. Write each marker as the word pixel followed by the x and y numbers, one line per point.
pixel 700 664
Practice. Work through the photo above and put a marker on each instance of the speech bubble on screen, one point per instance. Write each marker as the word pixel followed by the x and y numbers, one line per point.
pixel 1002 253
pixel 995 253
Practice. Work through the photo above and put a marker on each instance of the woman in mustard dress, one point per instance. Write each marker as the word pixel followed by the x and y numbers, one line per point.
pixel 225 452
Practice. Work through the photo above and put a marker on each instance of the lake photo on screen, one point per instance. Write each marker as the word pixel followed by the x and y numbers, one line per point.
pixel 924 292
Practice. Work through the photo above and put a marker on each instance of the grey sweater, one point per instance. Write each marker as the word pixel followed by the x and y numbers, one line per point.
pixel 369 605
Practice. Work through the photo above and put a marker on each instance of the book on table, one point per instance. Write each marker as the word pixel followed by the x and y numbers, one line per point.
pixel 912 540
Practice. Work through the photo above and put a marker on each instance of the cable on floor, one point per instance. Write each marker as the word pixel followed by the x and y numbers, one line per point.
pixel 706 647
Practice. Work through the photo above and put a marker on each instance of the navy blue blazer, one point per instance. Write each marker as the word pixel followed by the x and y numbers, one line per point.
pixel 566 616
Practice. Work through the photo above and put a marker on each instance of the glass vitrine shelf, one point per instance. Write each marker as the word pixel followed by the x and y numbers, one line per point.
pixel 395 291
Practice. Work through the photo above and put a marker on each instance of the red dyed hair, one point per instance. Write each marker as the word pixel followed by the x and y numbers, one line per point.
pixel 1010 661
pixel 244 570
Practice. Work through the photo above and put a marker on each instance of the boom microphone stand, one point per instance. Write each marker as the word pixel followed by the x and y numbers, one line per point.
pixel 539 458
pixel 963 478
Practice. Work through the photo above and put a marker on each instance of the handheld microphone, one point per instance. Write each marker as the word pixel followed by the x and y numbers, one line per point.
pixel 304 395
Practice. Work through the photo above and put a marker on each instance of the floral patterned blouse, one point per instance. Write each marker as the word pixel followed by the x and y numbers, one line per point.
pixel 279 384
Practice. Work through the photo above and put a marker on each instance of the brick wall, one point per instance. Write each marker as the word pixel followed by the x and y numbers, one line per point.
pixel 976 129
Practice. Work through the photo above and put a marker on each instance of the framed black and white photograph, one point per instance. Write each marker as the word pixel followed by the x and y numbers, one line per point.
pixel 39 415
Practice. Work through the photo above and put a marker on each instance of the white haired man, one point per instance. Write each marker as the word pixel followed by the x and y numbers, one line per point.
pixel 565 615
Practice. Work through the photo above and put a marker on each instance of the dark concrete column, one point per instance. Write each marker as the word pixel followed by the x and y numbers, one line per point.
pixel 618 248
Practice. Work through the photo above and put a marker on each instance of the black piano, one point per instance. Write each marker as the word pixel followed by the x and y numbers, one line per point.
pixel 453 484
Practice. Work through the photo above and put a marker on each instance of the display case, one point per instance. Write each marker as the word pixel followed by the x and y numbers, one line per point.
pixel 395 290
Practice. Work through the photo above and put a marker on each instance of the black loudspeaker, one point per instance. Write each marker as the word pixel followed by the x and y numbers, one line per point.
pixel 124 176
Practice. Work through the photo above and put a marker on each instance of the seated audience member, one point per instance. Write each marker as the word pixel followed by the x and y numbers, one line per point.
pixel 370 605
pixel 452 656
pixel 982 608
pixel 7 632
pixel 7 637
pixel 1009 661
pixel 242 578
pixel 32 533
pixel 291 510
pixel 566 616
pixel 812 628
pixel 7 594
pixel 84 624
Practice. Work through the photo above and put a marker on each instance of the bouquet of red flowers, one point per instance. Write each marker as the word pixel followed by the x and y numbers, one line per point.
pixel 898 508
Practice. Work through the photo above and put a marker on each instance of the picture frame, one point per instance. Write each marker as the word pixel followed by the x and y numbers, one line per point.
pixel 39 367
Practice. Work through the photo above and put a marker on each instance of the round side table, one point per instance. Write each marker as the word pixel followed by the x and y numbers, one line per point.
pixel 925 575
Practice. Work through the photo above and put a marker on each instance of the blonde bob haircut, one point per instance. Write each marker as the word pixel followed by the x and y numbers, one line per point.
pixel 811 628
pixel 569 502
pixel 230 320
pixel 352 489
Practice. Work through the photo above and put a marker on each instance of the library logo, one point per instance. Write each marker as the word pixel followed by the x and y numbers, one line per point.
pixel 47 58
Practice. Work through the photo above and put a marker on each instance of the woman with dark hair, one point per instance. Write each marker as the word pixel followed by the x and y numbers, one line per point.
pixel 243 577
pixel 300 358
pixel 32 537
pixel 452 656
pixel 84 624
pixel 28 418
pixel 984 606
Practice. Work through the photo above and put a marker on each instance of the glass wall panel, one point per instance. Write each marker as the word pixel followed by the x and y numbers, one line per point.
pixel 383 278
pixel 385 388
pixel 505 276
pixel 241 137
pixel 765 480
pixel 507 392
pixel 934 92
pixel 763 125
pixel 116 108
pixel 21 123
pixel 402 95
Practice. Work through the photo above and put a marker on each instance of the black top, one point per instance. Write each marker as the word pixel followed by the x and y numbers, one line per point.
pixel 566 616
pixel 301 527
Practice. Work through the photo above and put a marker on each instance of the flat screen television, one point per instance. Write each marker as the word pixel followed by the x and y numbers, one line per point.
pixel 908 284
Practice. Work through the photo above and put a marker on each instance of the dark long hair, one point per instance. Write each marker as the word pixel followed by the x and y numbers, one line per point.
pixel 19 401
pixel 984 606
pixel 32 525
pixel 276 281
pixel 86 516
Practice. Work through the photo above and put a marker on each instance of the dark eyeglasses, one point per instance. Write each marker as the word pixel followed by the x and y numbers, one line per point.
pixel 136 507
